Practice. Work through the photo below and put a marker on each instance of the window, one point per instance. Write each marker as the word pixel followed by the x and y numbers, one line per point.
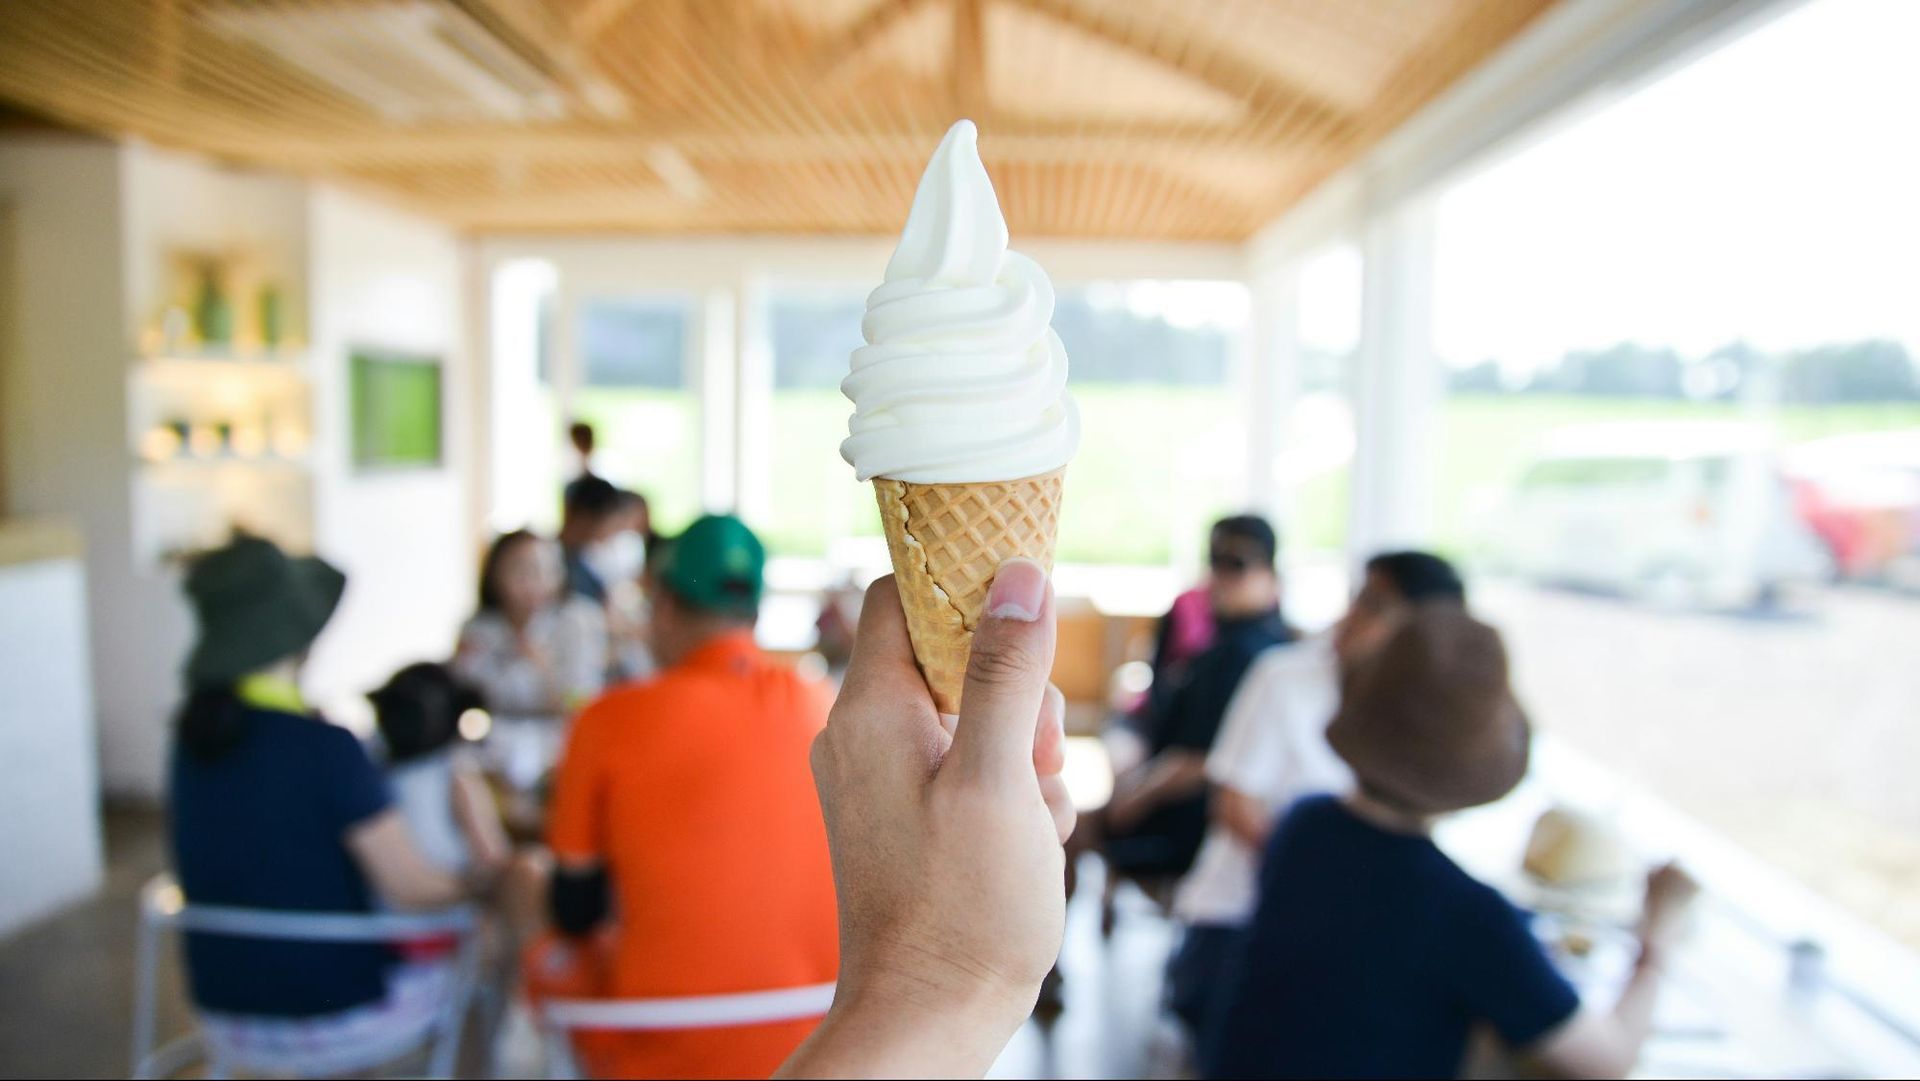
pixel 813 503
pixel 1740 639
pixel 1315 467
pixel 635 389
pixel 1163 427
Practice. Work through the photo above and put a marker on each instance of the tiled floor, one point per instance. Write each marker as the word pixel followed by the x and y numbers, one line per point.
pixel 66 987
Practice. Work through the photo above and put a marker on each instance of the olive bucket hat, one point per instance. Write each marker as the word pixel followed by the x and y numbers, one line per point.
pixel 255 605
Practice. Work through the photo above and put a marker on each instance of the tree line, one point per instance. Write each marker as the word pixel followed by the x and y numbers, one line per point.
pixel 1869 370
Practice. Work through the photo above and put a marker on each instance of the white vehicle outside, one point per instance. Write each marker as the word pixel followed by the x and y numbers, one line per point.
pixel 1678 514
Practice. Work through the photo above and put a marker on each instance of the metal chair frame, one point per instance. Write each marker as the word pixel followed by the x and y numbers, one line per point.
pixel 163 910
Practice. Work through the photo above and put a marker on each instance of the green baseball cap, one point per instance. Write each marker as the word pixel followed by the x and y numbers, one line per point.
pixel 715 565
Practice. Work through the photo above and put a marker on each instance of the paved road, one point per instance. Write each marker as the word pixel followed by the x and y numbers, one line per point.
pixel 1797 736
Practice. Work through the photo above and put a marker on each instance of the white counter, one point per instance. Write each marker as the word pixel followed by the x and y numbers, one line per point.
pixel 49 783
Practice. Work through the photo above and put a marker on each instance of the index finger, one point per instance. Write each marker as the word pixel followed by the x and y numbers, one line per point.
pixel 882 649
pixel 883 687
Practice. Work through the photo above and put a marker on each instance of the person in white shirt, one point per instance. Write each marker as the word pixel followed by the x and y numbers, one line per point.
pixel 532 650
pixel 1272 750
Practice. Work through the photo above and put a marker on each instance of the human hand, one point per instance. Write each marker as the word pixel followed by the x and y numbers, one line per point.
pixel 1670 893
pixel 946 844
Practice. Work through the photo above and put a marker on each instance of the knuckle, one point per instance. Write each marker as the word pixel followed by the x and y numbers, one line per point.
pixel 1004 659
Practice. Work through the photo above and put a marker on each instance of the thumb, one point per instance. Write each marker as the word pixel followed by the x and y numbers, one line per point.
pixel 1007 673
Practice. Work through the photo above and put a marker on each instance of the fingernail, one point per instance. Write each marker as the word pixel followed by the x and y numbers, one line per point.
pixel 1019 589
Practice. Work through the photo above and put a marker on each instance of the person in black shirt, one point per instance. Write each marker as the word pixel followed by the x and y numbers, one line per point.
pixel 1158 815
pixel 1371 953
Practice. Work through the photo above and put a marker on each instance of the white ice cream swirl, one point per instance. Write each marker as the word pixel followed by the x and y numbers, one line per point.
pixel 962 378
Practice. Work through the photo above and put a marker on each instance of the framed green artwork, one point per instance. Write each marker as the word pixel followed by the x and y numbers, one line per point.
pixel 397 414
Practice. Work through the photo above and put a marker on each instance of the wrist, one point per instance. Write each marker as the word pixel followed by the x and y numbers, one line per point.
pixel 912 1011
pixel 1653 956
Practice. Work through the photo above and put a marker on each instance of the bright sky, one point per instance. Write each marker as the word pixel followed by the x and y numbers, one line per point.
pixel 1769 191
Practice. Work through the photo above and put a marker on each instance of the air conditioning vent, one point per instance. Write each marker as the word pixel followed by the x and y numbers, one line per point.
pixel 411 61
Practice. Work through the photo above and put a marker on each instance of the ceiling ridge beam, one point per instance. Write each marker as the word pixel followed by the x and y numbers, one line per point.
pixel 1265 93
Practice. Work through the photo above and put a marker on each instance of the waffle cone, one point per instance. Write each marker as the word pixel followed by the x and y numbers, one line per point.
pixel 947 540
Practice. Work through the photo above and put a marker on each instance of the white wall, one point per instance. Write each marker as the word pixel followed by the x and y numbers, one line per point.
pixel 385 279
pixel 65 424
pixel 49 814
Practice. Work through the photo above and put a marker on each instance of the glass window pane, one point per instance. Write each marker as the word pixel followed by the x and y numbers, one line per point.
pixel 636 390
pixel 813 501
pixel 1316 453
pixel 1683 421
pixel 1163 444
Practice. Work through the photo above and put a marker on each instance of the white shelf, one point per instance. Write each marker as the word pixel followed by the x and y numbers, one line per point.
pixel 186 464
pixel 291 362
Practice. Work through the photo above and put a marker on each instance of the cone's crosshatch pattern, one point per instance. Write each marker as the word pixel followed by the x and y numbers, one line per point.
pixel 947 541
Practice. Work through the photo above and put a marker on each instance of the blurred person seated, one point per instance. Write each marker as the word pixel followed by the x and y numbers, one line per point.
pixel 532 650
pixel 1371 953
pixel 1271 751
pixel 591 519
pixel 437 786
pixel 270 807
pixel 1152 827
pixel 688 853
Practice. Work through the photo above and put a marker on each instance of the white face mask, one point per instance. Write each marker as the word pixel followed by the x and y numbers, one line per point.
pixel 619 558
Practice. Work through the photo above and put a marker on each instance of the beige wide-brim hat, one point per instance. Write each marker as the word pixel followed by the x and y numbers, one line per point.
pixel 1430 722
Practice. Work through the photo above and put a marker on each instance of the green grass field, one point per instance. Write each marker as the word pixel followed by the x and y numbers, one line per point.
pixel 1155 464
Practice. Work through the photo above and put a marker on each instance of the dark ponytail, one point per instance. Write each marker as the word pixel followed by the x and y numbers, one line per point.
pixel 211 722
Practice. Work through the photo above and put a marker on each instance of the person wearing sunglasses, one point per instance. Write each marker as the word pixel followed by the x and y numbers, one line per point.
pixel 1157 818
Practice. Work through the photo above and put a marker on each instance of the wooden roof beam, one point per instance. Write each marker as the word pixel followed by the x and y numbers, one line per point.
pixel 832 56
pixel 597 16
pixel 1006 138
pixel 1271 98
pixel 540 35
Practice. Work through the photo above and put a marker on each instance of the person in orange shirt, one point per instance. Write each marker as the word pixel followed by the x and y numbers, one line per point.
pixel 689 854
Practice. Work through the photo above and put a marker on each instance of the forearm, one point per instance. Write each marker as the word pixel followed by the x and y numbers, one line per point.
pixel 1172 775
pixel 421 887
pixel 398 873
pixel 1246 818
pixel 1595 1044
pixel 1632 1013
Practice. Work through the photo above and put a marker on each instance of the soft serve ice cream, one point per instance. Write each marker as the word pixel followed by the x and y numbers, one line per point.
pixel 960 410
pixel 962 378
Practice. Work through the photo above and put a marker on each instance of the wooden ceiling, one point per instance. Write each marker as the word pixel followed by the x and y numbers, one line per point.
pixel 1153 119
